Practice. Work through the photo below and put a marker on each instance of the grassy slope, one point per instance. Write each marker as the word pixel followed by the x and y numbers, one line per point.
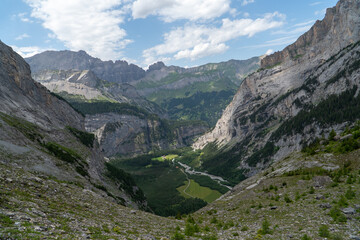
pixel 41 207
pixel 198 191
pixel 160 181
pixel 208 97
pixel 296 197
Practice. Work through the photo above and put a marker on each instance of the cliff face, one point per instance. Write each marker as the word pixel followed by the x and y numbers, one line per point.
pixel 126 135
pixel 340 27
pixel 161 77
pixel 270 100
pixel 85 85
pixel 42 133
pixel 118 71
pixel 118 133
pixel 22 97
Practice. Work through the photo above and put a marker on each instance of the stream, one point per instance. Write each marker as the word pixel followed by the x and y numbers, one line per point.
pixel 188 170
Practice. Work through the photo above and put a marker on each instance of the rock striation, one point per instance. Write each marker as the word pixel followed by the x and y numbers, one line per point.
pixel 340 27
pixel 129 135
pixel 24 98
pixel 42 133
pixel 118 71
pixel 86 85
pixel 292 81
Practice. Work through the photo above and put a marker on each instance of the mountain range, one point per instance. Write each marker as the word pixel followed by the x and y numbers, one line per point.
pixel 129 127
pixel 288 144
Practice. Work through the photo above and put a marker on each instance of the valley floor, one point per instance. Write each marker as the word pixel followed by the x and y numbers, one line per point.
pixel 302 197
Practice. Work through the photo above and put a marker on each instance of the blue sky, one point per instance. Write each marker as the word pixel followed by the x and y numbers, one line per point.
pixel 178 32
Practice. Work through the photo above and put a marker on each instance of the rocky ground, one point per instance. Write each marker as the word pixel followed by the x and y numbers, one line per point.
pixel 35 206
pixel 301 197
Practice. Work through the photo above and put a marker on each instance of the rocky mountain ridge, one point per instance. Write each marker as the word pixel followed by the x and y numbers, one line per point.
pixel 130 125
pixel 118 71
pixel 258 125
pixel 44 134
pixel 340 27
pixel 129 135
pixel 86 85
pixel 197 93
pixel 179 91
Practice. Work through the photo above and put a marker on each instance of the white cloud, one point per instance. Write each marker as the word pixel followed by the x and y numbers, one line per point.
pixel 315 3
pixel 28 51
pixel 197 41
pixel 171 10
pixel 269 52
pixel 311 22
pixel 23 17
pixel 22 36
pixel 276 42
pixel 295 30
pixel 246 2
pixel 90 25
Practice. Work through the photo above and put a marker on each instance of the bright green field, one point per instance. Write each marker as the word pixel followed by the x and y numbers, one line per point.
pixel 198 191
pixel 167 157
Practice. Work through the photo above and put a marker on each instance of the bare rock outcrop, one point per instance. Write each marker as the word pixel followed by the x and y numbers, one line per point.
pixel 302 75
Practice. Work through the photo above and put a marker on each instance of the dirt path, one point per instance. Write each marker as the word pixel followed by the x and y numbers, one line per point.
pixel 188 185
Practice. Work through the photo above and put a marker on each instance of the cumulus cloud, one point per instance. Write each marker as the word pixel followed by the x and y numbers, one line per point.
pixel 246 2
pixel 269 52
pixel 90 25
pixel 197 41
pixel 28 51
pixel 171 10
pixel 22 36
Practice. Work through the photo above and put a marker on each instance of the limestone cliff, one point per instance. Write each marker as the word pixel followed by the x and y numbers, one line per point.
pixel 87 86
pixel 42 133
pixel 339 27
pixel 295 80
pixel 118 71
pixel 129 135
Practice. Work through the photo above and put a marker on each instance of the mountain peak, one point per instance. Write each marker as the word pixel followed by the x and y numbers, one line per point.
pixel 339 28
pixel 118 71
pixel 156 66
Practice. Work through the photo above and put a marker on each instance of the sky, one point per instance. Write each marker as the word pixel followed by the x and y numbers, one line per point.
pixel 178 32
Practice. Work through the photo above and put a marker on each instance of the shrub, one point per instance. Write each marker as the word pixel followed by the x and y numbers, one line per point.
pixel 213 220
pixel 191 229
pixel 62 152
pixel 209 238
pixel 305 237
pixel 265 227
pixel 332 135
pixel 6 221
pixel 86 138
pixel 350 194
pixel 287 199
pixel 244 228
pixel 177 236
pixel 324 231
pixel 337 215
pixel 342 202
